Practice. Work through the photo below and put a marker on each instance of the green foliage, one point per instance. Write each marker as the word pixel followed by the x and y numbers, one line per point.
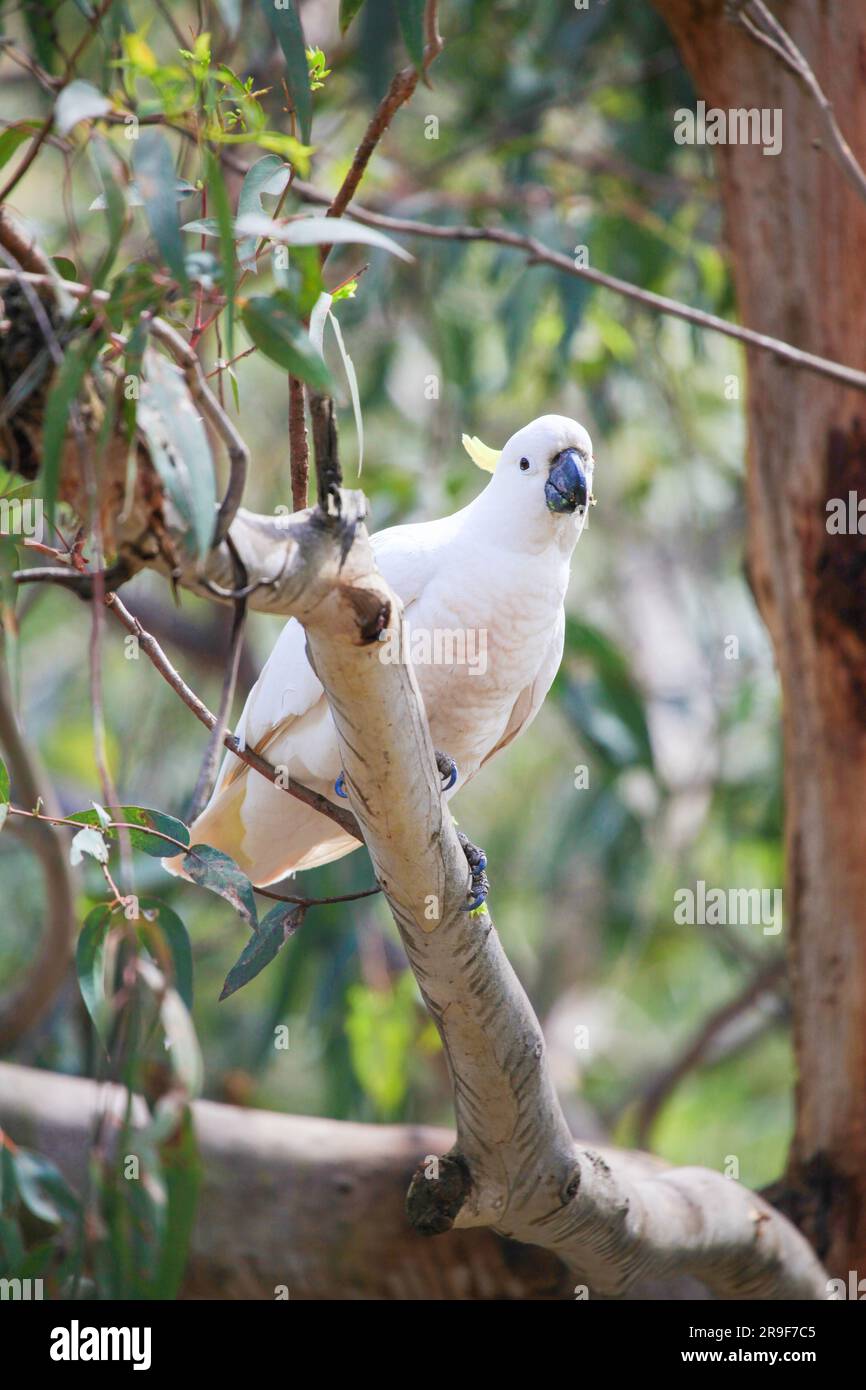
pixel 286 28
pixel 77 361
pixel 270 174
pixel 90 955
pixel 348 10
pixel 410 14
pixel 268 938
pixel 273 325
pixel 166 938
pixel 551 122
pixel 179 447
pixel 380 1025
pixel 154 175
pixel 214 870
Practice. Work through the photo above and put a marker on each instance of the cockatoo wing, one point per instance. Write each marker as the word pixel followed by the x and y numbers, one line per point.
pixel 287 720
pixel 288 688
pixel 532 697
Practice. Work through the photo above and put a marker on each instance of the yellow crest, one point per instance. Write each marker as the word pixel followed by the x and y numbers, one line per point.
pixel 481 454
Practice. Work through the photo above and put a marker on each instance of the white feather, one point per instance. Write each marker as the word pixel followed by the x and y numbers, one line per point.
pixel 494 573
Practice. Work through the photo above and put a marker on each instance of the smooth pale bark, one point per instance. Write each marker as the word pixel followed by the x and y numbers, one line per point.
pixel 315 1206
pixel 797 235
pixel 612 1218
pixel 615 1219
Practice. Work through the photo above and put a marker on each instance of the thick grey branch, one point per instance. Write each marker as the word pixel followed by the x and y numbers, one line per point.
pixel 613 1218
pixel 315 1205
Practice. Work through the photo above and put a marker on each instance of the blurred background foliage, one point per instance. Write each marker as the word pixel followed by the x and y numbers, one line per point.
pixel 655 761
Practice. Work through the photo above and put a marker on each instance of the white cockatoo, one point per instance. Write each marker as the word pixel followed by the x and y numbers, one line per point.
pixel 483 594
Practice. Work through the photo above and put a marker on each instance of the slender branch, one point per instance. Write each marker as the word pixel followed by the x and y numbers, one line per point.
pixel 400 90
pixel 157 656
pixel 402 86
pixel 540 254
pixel 328 472
pixel 45 129
pixel 112 825
pixel 763 27
pixel 210 763
pixel 299 449
pixel 318 902
pixel 37 991
pixel 655 1091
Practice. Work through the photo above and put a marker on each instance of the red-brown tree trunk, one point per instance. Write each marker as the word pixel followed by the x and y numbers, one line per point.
pixel 797 235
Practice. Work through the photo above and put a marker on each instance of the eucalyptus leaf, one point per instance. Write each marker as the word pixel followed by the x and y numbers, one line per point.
pixel 179 447
pixel 286 28
pixel 270 174
pixel 319 231
pixel 76 363
pixel 348 10
pixel 43 1190
pixel 144 821
pixel 88 841
pixel 155 180
pixel 12 137
pixel 80 101
pixel 275 327
pixel 410 13
pixel 4 793
pixel 281 923
pixel 181 1042
pixel 156 916
pixel 90 968
pixel 212 869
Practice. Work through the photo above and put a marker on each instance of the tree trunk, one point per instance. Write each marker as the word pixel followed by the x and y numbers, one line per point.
pixel 797 235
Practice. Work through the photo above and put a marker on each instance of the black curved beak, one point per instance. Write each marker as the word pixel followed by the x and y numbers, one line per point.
pixel 565 489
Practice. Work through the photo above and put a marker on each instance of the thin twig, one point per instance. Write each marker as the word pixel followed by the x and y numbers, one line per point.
pixel 319 902
pixel 299 448
pixel 45 129
pixel 539 254
pixel 329 475
pixel 402 86
pixel 157 656
pixel 210 763
pixel 655 1092
pixel 100 746
pixel 763 27
pixel 33 994
pixel 112 825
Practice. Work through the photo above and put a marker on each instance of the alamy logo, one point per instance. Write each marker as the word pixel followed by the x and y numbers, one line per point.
pixel 846 518
pixel 21 518
pixel 720 907
pixel 77 1343
pixel 738 126
pixel 855 1289
pixel 23 1289
pixel 438 646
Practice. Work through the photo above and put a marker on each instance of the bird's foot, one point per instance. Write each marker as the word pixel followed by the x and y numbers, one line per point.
pixel 447 770
pixel 477 861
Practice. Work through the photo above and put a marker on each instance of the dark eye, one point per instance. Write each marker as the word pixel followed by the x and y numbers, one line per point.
pixel 524 464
